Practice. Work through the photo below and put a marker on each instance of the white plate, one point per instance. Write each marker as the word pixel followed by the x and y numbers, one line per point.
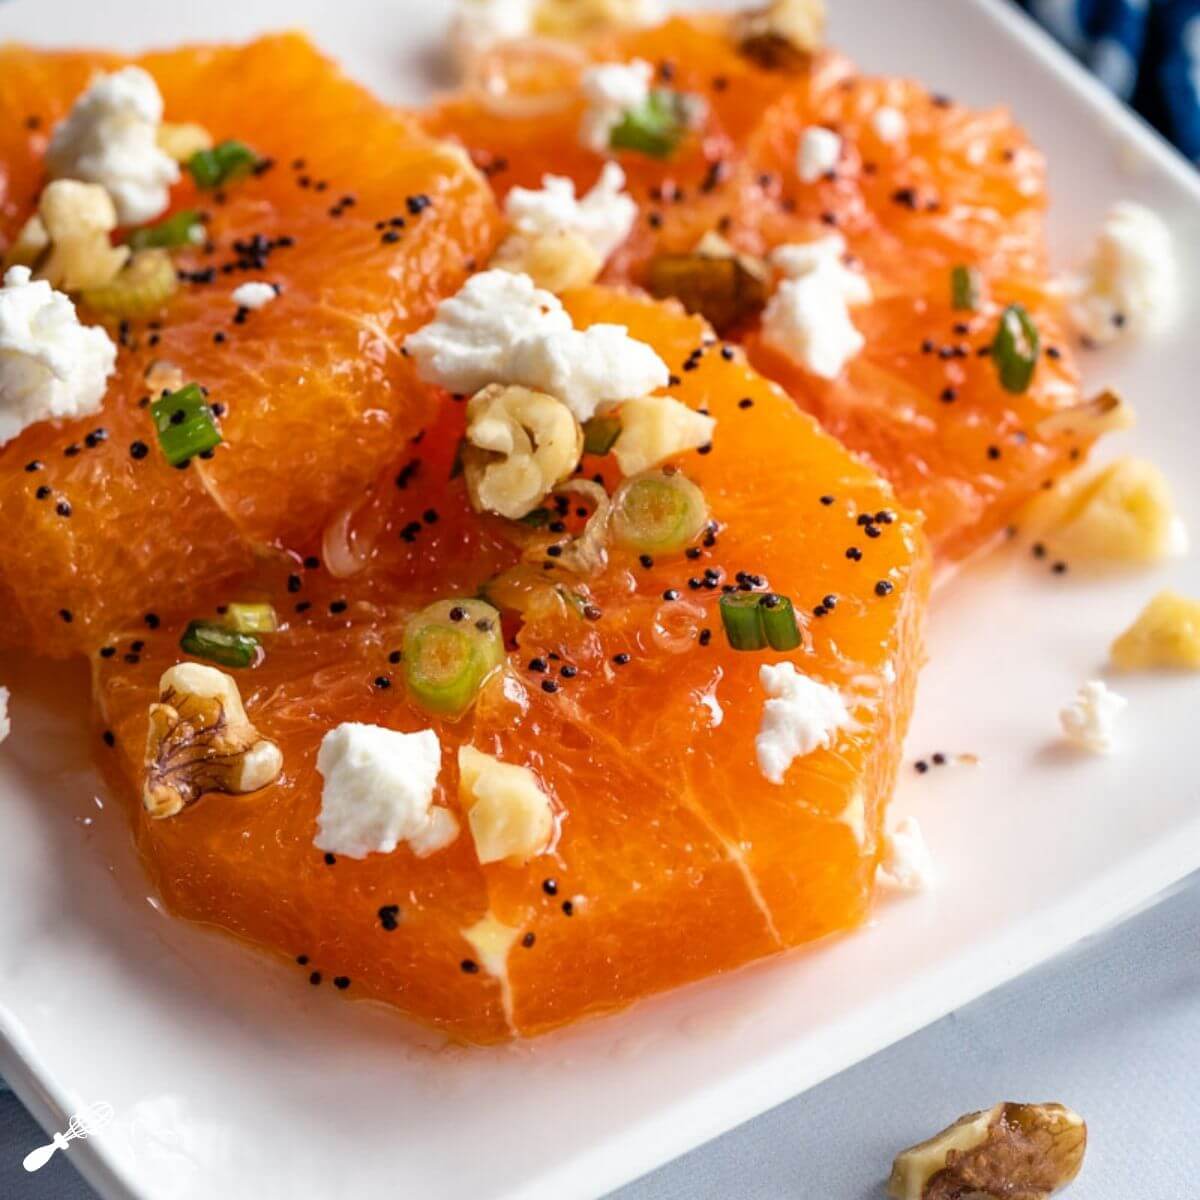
pixel 232 1078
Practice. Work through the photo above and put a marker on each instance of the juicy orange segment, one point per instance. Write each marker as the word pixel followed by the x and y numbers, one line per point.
pixel 674 857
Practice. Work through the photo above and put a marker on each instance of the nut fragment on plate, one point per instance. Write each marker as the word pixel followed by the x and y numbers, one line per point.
pixel 1165 634
pixel 511 818
pixel 714 280
pixel 200 740
pixel 783 35
pixel 1007 1152
pixel 67 241
pixel 519 444
pixel 655 428
pixel 556 261
pixel 1104 413
pixel 181 140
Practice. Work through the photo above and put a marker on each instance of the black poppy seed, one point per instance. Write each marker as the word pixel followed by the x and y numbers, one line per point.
pixel 884 587
pixel 330 860
pixel 417 204
pixel 110 738
pixel 1053 352
pixel 63 508
pixel 705 637
pixel 1059 568
pixel 337 606
pixel 939 760
pixel 390 237
pixel 621 659
pixel 853 553
pixel 537 664
pixel 134 659
pixel 43 491
pixel 528 940
pixel 993 452
pixel 864 519
pixel 302 959
pixel 66 615
pixel 137 646
pixel 727 353
pixel 341 982
pixel 548 685
pixel 382 682
pixel 395 657
pixel 921 766
pixel 829 601
pixel 885 516
pixel 554 551
pixel 218 337
pixel 138 450
pixel 693 552
pixel 927 346
pixel 646 561
pixel 591 612
pixel 71 450
pixel 107 651
pixel 469 966
pixel 873 531
pixel 705 449
pixel 550 887
pixel 389 916
pixel 948 395
pixel 568 908
pixel 671 594
pixel 94 438
pixel 673 381
pixel 654 220
pixel 304 606
pixel 315 978
pixel 820 610
pixel 568 671
pixel 34 466
pixel 294 583
pixel 458 613
pixel 152 620
pixel 827 500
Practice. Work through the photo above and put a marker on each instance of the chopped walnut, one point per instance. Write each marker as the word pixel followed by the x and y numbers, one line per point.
pixel 1008 1152
pixel 181 141
pixel 519 444
pixel 200 740
pixel 656 428
pixel 1104 413
pixel 556 261
pixel 714 280
pixel 782 36
pixel 511 818
pixel 77 219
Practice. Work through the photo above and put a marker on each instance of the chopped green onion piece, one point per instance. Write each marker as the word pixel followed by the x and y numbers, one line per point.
pixel 779 621
pixel 966 288
pixel 450 649
pixel 251 618
pixel 225 161
pixel 536 518
pixel 206 639
pixel 599 434
pixel 1016 349
pixel 758 620
pixel 655 128
pixel 658 512
pixel 183 229
pixel 743 622
pixel 185 424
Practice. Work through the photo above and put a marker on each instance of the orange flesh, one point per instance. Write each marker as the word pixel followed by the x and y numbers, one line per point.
pixel 677 857
pixel 964 188
pixel 316 396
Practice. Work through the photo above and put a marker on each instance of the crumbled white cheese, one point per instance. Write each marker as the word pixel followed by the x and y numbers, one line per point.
pixel 253 294
pixel 110 137
pixel 818 154
pixel 501 329
pixel 907 863
pixel 604 216
pixel 478 25
pixel 808 315
pixel 889 123
pixel 611 90
pixel 1089 720
pixel 378 792
pixel 1128 285
pixel 5 727
pixel 51 366
pixel 800 716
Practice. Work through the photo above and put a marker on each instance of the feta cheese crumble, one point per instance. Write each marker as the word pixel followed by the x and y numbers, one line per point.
pixel 253 294
pixel 604 216
pixel 378 792
pixel 499 328
pixel 801 715
pixel 818 153
pixel 110 137
pixel 1089 720
pixel 611 90
pixel 51 366
pixel 889 124
pixel 907 864
pixel 5 726
pixel 808 315
pixel 1128 285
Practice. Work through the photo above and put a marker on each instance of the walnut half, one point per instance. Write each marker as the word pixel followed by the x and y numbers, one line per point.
pixel 1008 1152
pixel 201 740
pixel 782 36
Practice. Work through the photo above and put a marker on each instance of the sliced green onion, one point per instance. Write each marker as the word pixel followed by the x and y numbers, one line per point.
pixel 185 424
pixel 1016 349
pixel 655 127
pixel 743 621
pixel 251 618
pixel 758 620
pixel 599 434
pixel 207 639
pixel 227 160
pixel 779 621
pixel 182 229
pixel 658 511
pixel 966 288
pixel 450 649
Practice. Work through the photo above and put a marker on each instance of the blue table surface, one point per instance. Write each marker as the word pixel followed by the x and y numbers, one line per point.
pixel 1111 1028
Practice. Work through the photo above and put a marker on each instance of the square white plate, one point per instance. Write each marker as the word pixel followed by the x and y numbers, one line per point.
pixel 231 1077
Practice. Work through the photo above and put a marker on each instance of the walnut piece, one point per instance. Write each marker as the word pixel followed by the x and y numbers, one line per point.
pixel 200 740
pixel 782 36
pixel 1008 1152
pixel 519 444
pixel 511 818
pixel 556 262
pixel 714 280
pixel 77 219
pixel 1104 413
pixel 1165 634
pixel 180 141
